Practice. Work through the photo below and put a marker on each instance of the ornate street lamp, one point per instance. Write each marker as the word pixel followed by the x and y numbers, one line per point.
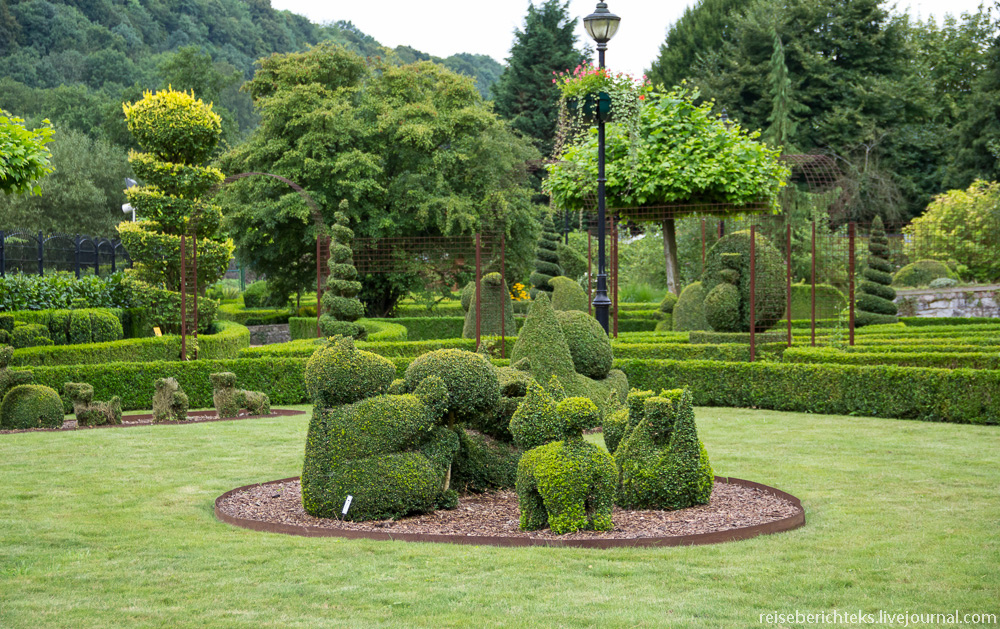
pixel 601 25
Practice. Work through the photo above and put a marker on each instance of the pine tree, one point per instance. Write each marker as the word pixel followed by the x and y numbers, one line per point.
pixel 782 126
pixel 525 94
pixel 341 306
pixel 700 30
pixel 546 258
pixel 874 303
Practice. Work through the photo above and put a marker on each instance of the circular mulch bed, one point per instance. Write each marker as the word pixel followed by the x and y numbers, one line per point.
pixel 131 421
pixel 738 510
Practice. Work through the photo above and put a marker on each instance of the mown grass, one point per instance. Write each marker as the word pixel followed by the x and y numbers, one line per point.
pixel 113 528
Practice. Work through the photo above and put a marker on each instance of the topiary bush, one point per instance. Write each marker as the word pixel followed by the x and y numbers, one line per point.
pixel 919 273
pixel 726 283
pixel 87 411
pixel 689 311
pixel 170 403
pixel 874 301
pixel 668 303
pixel 588 344
pixel 341 306
pixel 30 335
pixel 573 263
pixel 388 452
pixel 568 485
pixel 259 295
pixel 546 259
pixel 471 380
pixel 567 294
pixel 229 400
pixel 338 373
pixel 663 464
pixel 483 463
pixel 496 304
pixel 10 379
pixel 31 406
pixel 535 422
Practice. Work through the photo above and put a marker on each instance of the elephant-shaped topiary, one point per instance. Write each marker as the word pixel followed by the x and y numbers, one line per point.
pixel 663 465
pixel 87 411
pixel 170 403
pixel 229 400
pixel 568 485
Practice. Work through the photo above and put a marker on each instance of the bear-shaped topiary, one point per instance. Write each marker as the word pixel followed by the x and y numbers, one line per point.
pixel 341 306
pixel 471 380
pixel 567 294
pixel 726 283
pixel 496 303
pixel 662 463
pixel 229 400
pixel 568 485
pixel 170 403
pixel 87 411
pixel 31 406
pixel 389 452
pixel 337 373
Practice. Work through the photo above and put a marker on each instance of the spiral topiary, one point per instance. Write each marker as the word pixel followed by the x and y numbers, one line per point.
pixel 726 283
pixel 874 302
pixel 341 306
pixel 546 259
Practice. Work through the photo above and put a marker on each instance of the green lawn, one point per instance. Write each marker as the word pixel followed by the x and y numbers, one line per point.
pixel 113 528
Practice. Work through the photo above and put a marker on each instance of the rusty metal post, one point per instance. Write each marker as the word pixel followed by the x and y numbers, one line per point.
pixel 753 292
pixel 319 281
pixel 503 300
pixel 590 277
pixel 479 300
pixel 194 277
pixel 813 291
pixel 852 228
pixel 183 302
pixel 614 262
pixel 788 281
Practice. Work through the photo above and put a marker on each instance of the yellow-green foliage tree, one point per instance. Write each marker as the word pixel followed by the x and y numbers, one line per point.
pixel 177 133
pixel 23 156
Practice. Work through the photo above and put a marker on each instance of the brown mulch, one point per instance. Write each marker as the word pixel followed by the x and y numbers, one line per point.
pixel 496 515
pixel 131 421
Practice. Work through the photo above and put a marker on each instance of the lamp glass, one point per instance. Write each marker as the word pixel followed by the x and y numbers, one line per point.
pixel 602 26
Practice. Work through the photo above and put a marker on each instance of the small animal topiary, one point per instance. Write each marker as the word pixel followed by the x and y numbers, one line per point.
pixel 170 403
pixel 470 378
pixel 535 422
pixel 662 463
pixel 726 282
pixel 588 343
pixel 229 400
pixel 668 303
pixel 567 294
pixel 341 306
pixel 87 411
pixel 496 304
pixel 338 373
pixel 31 406
pixel 568 485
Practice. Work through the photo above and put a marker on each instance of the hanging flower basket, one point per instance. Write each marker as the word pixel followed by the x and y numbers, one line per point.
pixel 595 106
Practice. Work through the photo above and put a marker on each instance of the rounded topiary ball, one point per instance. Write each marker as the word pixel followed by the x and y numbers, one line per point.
pixel 472 380
pixel 722 308
pixel 921 273
pixel 689 311
pixel 31 406
pixel 174 126
pixel 728 261
pixel 340 374
pixel 588 343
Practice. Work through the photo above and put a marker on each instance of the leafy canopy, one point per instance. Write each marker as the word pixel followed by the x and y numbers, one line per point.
pixel 24 158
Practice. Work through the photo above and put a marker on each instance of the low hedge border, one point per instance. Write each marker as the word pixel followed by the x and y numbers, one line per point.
pixel 304 328
pixel 228 340
pixel 235 312
pixel 697 337
pixel 682 351
pixel 938 360
pixel 916 322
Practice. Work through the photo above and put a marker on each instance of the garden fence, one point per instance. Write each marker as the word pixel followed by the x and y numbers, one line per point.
pixel 36 253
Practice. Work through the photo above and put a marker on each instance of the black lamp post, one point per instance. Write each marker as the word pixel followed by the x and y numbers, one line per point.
pixel 601 25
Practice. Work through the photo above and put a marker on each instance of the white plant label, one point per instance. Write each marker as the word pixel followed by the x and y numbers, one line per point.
pixel 347 505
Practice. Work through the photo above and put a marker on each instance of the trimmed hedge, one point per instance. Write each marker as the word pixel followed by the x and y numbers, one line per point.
pixel 915 322
pixel 235 312
pixel 960 395
pixel 82 325
pixel 304 328
pixel 940 360
pixel 444 309
pixel 683 351
pixel 698 337
pixel 228 340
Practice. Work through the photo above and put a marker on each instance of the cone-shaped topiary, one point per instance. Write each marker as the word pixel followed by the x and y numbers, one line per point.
pixel 567 294
pixel 496 303
pixel 663 464
pixel 726 282
pixel 570 484
pixel 341 306
pixel 546 259
pixel 31 406
pixel 874 302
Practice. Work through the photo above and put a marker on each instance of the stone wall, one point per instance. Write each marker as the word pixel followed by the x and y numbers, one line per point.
pixel 969 301
pixel 267 334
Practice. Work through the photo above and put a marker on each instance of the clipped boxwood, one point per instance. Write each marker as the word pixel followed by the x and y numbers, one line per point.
pixel 829 301
pixel 715 338
pixel 689 311
pixel 588 343
pixel 472 381
pixel 31 406
pixel 921 273
pixel 163 348
pixel 338 373
pixel 939 360
pixel 227 341
pixel 243 316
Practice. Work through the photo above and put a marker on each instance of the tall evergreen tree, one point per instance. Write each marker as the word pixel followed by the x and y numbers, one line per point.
pixel 701 29
pixel 782 125
pixel 525 94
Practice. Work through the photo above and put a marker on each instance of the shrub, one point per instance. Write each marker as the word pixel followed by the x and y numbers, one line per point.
pixel 229 400
pixel 921 273
pixel 663 464
pixel 873 303
pixel 337 373
pixel 130 350
pixel 573 263
pixel 31 406
pixel 935 359
pixel 546 259
pixel 233 312
pixel 570 484
pixel 389 454
pixel 542 342
pixel 829 301
pixel 174 126
pixel 259 295
pixel 87 411
pixel 483 463
pixel 170 403
pixel 302 328
pixel 535 422
pixel 668 303
pixel 496 304
pixel 227 340
pixel 943 282
pixel 8 378
pixel 716 338
pixel 30 335
pixel 567 294
pixel 728 264
pixel 341 306
pixel 472 381
pixel 689 312
pixel 588 343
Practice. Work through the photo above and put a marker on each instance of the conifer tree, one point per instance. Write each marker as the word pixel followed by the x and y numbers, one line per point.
pixel 546 259
pixel 874 303
pixel 341 306
pixel 525 94
pixel 782 126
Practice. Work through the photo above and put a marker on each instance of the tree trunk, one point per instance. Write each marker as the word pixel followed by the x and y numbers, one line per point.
pixel 670 253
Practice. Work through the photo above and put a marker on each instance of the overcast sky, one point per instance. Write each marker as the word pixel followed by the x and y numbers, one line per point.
pixel 446 27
